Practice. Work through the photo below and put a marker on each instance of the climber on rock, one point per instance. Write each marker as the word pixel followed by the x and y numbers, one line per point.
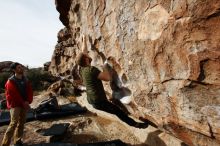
pixel 92 78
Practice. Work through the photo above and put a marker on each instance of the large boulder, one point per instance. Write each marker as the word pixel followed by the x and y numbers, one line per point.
pixel 168 51
pixel 5 66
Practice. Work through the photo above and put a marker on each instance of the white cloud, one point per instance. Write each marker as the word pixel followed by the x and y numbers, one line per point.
pixel 28 31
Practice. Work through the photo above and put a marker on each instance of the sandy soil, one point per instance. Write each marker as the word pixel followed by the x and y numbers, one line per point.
pixel 86 128
pixel 93 126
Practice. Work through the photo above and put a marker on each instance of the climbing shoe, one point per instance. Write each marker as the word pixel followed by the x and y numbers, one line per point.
pixel 20 143
pixel 141 125
pixel 149 122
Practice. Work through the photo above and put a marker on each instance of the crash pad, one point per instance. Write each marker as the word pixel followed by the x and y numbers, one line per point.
pixel 65 110
pixel 55 130
pixel 5 117
pixel 104 143
pixel 54 144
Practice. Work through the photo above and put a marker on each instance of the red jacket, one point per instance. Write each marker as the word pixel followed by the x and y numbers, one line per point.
pixel 13 97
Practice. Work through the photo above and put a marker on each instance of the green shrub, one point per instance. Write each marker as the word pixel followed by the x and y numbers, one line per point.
pixel 3 79
pixel 37 76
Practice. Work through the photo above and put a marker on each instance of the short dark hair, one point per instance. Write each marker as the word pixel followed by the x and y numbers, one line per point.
pixel 80 60
pixel 14 65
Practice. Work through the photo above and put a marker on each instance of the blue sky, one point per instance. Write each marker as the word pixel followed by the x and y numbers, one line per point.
pixel 28 31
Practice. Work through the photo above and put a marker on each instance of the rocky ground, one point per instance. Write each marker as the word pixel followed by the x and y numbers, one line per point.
pixel 93 126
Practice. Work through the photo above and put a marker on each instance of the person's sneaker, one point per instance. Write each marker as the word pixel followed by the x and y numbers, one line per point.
pixel 141 125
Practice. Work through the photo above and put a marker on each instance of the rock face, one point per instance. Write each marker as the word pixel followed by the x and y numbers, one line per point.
pixel 168 51
pixel 5 66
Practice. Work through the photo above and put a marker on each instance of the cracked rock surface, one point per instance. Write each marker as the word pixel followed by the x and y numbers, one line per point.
pixel 168 51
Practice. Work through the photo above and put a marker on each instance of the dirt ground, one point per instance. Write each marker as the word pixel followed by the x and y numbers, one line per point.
pixel 92 126
pixel 85 128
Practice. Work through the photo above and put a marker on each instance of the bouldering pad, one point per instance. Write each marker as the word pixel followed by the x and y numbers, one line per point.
pixel 65 110
pixel 55 130
pixel 104 143
pixel 5 117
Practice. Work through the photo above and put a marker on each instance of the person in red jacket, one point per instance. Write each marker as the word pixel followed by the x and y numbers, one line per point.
pixel 19 95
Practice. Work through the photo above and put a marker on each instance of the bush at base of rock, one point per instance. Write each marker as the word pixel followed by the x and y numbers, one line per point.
pixel 3 79
pixel 40 79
